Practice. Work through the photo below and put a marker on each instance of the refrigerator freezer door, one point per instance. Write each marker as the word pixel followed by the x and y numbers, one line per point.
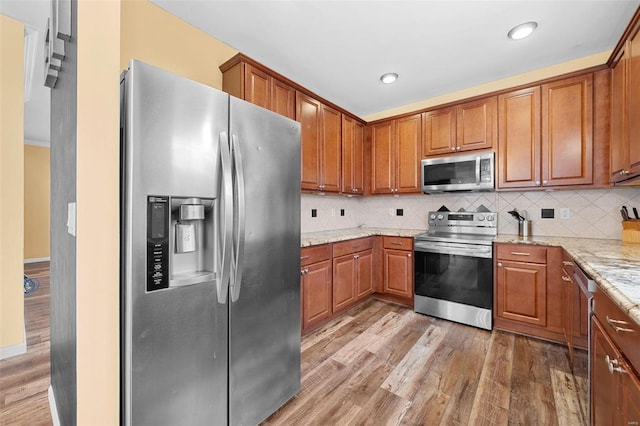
pixel 174 340
pixel 264 343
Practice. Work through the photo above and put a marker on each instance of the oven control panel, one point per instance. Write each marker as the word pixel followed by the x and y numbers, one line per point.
pixel 470 219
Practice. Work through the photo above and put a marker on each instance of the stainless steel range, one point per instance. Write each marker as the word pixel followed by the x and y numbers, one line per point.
pixel 454 267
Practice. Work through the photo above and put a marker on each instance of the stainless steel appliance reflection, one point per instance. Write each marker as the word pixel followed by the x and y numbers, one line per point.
pixel 454 267
pixel 210 248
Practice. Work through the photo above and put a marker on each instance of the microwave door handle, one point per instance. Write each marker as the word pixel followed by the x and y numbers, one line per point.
pixel 477 170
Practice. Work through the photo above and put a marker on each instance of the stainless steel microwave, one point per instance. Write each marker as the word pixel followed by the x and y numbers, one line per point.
pixel 471 173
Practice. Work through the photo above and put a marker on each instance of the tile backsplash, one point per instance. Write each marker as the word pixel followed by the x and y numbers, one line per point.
pixel 592 213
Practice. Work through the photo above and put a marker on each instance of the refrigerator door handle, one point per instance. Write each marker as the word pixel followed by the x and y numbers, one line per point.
pixel 239 203
pixel 226 227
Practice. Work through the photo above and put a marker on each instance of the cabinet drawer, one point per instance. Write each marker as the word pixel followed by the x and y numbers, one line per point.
pixel 398 243
pixel 352 246
pixel 521 253
pixel 618 326
pixel 313 254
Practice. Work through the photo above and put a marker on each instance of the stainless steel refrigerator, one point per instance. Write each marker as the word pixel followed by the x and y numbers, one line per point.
pixel 210 254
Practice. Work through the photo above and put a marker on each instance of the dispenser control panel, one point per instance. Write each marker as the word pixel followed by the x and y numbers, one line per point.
pixel 157 242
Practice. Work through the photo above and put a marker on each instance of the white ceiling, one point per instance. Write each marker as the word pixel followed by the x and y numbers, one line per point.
pixel 338 49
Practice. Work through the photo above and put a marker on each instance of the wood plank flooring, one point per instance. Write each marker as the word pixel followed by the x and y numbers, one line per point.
pixel 377 364
pixel 24 379
pixel 383 364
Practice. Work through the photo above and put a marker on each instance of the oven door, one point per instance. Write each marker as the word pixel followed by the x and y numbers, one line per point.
pixel 454 281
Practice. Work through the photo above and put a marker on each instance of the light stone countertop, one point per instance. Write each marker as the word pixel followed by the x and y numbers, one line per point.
pixel 614 265
pixel 323 237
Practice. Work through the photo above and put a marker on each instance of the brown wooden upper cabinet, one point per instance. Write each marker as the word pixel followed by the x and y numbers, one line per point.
pixel 321 144
pixel 625 112
pixel 464 127
pixel 545 135
pixel 254 84
pixel 352 156
pixel 395 155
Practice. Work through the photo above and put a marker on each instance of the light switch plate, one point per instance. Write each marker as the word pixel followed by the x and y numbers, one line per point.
pixel 565 213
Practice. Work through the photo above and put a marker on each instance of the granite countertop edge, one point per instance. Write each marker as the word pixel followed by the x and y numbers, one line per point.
pixel 613 265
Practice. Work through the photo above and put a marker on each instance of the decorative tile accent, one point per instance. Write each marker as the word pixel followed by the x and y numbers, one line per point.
pixel 593 213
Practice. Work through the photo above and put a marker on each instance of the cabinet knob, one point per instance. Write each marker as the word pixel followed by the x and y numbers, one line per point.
pixel 453 148
pixel 457 148
pixel 409 255
pixel 538 182
pixel 499 265
pixel 614 365
pixel 544 182
pixel 566 279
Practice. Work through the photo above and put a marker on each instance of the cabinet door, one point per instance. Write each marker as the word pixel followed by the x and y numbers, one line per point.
pixel 364 274
pixel 630 398
pixel 633 91
pixel 521 293
pixel 568 308
pixel 257 87
pixel 567 131
pixel 519 139
pixel 398 273
pixel 476 124
pixel 331 149
pixel 352 156
pixel 408 144
pixel 344 279
pixel 316 293
pixel 605 387
pixel 283 99
pixel 308 113
pixel 439 131
pixel 619 144
pixel 383 166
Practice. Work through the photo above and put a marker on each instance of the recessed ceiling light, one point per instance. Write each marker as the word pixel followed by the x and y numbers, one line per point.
pixel 389 77
pixel 523 30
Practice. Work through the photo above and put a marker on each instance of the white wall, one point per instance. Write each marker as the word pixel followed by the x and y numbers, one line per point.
pixel 593 213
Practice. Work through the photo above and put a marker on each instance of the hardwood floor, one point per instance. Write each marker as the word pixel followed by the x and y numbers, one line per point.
pixel 381 363
pixel 377 364
pixel 24 379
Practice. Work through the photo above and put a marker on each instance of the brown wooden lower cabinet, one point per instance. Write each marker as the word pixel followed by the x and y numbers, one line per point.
pixel 528 291
pixel 615 362
pixel 315 286
pixel 337 276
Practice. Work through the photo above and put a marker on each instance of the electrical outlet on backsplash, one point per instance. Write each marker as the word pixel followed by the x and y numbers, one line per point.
pixel 594 213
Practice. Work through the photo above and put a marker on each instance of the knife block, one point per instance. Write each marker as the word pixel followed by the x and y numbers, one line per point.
pixel 631 231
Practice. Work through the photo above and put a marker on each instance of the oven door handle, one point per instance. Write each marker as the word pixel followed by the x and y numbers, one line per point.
pixel 456 249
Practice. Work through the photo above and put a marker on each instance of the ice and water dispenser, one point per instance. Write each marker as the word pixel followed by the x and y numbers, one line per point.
pixel 180 241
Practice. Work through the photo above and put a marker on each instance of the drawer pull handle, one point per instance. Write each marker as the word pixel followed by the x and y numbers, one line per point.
pixel 520 253
pixel 566 279
pixel 356 246
pixel 567 263
pixel 305 257
pixel 357 256
pixel 396 243
pixel 614 324
pixel 614 365
pixel 304 272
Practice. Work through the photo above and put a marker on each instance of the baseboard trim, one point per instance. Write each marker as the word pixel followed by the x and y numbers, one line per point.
pixel 53 408
pixel 13 350
pixel 37 259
